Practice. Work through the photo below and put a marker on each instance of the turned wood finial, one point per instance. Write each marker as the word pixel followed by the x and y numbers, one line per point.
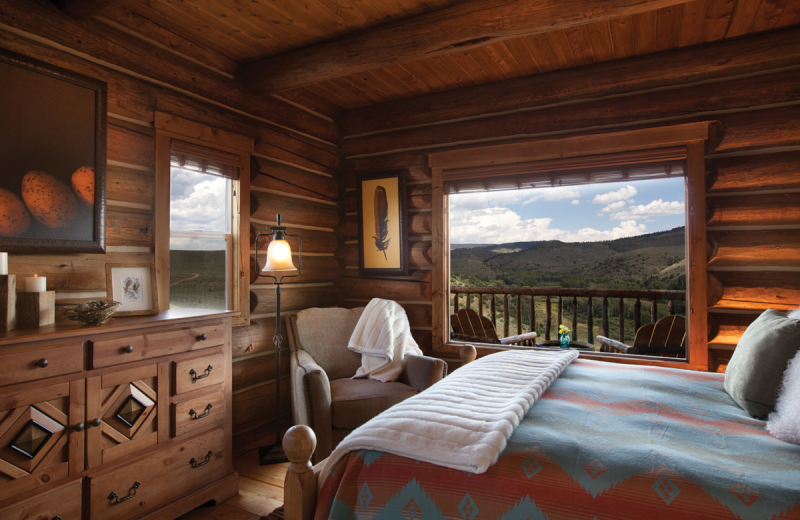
pixel 468 354
pixel 299 443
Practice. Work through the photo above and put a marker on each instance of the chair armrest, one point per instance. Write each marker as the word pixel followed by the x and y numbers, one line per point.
pixel 521 339
pixel 311 390
pixel 421 372
pixel 610 345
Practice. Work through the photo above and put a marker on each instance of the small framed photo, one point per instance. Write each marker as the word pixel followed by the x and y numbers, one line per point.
pixel 382 223
pixel 133 285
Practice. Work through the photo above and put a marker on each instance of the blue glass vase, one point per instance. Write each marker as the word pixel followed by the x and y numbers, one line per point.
pixel 564 340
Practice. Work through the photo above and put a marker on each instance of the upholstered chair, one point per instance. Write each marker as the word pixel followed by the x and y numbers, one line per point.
pixel 323 395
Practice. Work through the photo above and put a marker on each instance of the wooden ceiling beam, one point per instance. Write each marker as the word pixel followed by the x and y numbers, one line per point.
pixel 84 9
pixel 472 24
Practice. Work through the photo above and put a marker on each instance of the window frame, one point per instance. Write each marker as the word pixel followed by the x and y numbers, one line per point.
pixel 692 135
pixel 170 127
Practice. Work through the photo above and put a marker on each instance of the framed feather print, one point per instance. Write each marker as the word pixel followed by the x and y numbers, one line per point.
pixel 382 223
pixel 133 285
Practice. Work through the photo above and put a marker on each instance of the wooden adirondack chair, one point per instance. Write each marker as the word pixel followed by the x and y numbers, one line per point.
pixel 468 325
pixel 665 338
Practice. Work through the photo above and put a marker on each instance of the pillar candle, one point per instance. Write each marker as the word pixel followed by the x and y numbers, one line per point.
pixel 36 284
pixel 3 263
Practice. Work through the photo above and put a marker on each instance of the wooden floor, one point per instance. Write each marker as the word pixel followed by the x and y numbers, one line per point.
pixel 260 491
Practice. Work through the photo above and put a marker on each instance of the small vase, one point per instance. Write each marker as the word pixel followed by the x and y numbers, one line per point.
pixel 564 340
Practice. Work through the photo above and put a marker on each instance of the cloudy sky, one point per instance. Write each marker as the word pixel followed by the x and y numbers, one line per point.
pixel 570 214
pixel 197 203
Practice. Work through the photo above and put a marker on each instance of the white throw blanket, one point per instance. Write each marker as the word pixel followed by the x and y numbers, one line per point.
pixel 463 421
pixel 383 338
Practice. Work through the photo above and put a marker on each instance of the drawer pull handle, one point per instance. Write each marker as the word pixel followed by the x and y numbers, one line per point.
pixel 202 337
pixel 129 349
pixel 42 363
pixel 96 422
pixel 78 428
pixel 115 496
pixel 196 464
pixel 194 415
pixel 56 518
pixel 195 377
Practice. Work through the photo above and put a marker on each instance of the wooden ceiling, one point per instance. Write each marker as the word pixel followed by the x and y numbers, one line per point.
pixel 246 31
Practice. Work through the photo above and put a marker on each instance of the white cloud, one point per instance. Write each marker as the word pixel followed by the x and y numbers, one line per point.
pixel 551 194
pixel 657 208
pixel 614 206
pixel 625 193
pixel 197 202
pixel 576 202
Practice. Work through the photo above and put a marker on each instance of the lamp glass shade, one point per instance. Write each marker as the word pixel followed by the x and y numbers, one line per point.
pixel 279 257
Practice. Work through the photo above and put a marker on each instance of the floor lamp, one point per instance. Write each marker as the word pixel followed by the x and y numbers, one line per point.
pixel 279 260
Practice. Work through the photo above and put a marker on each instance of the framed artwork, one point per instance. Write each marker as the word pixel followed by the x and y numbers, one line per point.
pixel 382 223
pixel 53 156
pixel 133 285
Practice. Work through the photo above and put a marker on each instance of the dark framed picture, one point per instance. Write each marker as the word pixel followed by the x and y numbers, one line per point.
pixel 53 157
pixel 382 223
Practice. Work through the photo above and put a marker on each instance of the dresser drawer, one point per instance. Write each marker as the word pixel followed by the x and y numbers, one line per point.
pixel 156 480
pixel 190 415
pixel 124 349
pixel 64 502
pixel 197 373
pixel 28 365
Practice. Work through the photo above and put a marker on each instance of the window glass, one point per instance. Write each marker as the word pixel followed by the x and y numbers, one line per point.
pixel 199 202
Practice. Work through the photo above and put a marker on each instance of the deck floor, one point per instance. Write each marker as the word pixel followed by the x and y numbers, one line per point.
pixel 260 492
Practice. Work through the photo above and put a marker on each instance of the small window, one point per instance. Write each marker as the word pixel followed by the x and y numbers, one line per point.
pixel 200 240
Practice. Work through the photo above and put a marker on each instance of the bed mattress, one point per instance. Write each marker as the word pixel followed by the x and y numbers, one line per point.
pixel 606 441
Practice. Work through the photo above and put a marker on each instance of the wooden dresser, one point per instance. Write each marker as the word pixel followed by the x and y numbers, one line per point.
pixel 131 419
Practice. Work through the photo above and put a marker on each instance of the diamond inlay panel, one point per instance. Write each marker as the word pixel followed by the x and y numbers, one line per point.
pixel 131 411
pixel 31 439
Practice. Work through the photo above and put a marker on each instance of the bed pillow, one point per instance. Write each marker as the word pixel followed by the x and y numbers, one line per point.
pixel 759 361
pixel 784 422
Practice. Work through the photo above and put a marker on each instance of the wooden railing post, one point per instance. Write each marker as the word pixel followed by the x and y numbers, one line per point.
pixel 637 314
pixel 455 303
pixel 671 308
pixel 622 320
pixel 605 316
pixel 300 485
pixel 493 307
pixel 589 320
pixel 533 315
pixel 548 319
pixel 574 318
pixel 519 314
pixel 654 311
pixel 480 304
pixel 560 310
pixel 505 315
pixel 468 301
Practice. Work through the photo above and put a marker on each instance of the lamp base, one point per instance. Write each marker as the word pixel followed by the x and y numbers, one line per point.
pixel 271 455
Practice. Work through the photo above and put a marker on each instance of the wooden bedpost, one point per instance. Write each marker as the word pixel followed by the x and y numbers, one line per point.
pixel 300 486
pixel 468 354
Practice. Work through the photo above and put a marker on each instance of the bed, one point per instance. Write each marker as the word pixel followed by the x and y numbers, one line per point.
pixel 606 441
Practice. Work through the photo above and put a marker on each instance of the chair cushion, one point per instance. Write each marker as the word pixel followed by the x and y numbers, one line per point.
pixel 324 333
pixel 356 401
pixel 757 365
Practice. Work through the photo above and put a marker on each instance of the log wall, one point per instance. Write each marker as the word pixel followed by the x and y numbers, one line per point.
pixel 753 179
pixel 292 171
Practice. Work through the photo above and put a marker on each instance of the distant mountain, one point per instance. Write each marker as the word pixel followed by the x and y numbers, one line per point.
pixel 514 246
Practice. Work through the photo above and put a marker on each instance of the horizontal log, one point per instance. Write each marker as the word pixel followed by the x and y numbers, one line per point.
pixel 76 273
pixel 754 248
pixel 754 210
pixel 418 196
pixel 774 171
pixel 316 269
pixel 262 300
pixel 443 31
pixel 419 314
pixel 664 69
pixel 252 371
pixel 758 290
pixel 354 287
pixel 419 254
pixel 257 337
pixel 101 41
pixel 756 129
pixel 314 241
pixel 84 9
pixel 420 223
pixel 680 102
pixel 348 229
pixel 131 147
pixel 264 206
pixel 288 179
pixel 127 185
pixel 252 407
pixel 129 227
pixel 424 339
pixel 730 328
pixel 416 167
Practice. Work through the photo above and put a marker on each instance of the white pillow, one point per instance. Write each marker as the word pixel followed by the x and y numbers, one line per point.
pixel 795 314
pixel 784 422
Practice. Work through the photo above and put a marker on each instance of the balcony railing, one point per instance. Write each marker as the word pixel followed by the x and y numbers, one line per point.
pixel 558 295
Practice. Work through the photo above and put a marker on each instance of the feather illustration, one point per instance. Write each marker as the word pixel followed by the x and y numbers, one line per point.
pixel 128 284
pixel 381 220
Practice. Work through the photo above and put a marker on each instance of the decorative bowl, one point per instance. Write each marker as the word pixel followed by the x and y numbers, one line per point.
pixel 91 313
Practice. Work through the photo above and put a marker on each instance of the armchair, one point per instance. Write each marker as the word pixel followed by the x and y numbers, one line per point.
pixel 323 395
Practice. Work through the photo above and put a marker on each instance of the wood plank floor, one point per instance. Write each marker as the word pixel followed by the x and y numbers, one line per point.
pixel 260 492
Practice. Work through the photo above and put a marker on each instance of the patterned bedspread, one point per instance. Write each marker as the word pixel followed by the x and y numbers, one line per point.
pixel 606 441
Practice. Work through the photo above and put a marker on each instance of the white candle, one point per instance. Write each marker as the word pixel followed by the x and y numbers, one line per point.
pixel 36 283
pixel 3 263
